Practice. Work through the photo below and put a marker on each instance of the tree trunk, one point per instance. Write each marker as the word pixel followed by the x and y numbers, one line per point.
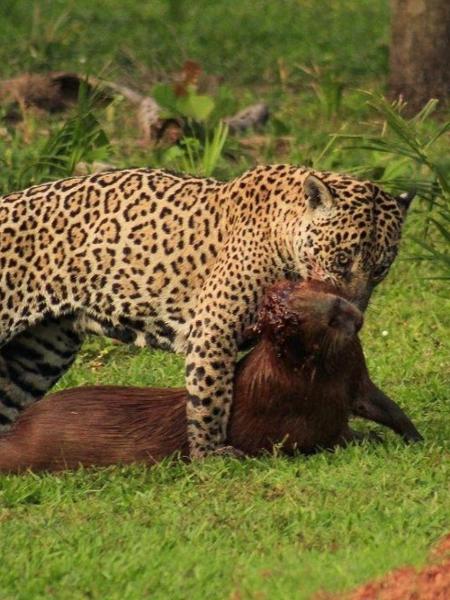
pixel 420 51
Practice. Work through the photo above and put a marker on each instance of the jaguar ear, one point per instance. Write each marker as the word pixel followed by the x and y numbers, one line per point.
pixel 317 193
pixel 406 198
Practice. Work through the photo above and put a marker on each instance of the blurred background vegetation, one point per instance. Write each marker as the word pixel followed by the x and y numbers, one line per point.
pixel 245 42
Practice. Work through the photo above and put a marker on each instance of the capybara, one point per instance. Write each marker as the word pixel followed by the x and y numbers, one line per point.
pixel 296 389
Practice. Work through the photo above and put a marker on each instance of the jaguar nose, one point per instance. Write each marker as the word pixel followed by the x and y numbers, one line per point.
pixel 362 302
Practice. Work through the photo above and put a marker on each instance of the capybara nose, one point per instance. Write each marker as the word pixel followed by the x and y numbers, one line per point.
pixel 346 317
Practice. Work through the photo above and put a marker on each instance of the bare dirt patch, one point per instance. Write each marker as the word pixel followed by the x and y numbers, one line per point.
pixel 432 582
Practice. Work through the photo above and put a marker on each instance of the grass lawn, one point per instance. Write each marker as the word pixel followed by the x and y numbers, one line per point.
pixel 266 528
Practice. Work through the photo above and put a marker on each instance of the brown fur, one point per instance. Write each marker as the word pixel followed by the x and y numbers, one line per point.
pixel 297 388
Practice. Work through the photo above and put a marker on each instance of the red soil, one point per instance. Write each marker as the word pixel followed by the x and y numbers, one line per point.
pixel 407 583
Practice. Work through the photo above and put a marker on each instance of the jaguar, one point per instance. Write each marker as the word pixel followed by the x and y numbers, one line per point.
pixel 178 263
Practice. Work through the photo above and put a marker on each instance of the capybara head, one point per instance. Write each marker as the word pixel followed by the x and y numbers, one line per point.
pixel 311 316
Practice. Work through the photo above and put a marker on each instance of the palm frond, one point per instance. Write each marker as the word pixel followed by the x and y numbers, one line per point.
pixel 411 146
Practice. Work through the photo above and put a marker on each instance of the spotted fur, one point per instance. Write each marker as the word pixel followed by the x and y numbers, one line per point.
pixel 178 263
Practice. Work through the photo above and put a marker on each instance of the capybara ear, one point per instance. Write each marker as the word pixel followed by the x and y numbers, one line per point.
pixel 317 193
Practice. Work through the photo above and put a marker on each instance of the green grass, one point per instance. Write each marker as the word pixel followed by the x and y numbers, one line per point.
pixel 283 528
pixel 269 528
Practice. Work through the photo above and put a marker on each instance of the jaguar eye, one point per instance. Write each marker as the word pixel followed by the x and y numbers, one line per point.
pixel 342 260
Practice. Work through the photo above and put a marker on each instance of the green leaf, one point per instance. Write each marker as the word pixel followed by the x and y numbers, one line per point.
pixel 172 154
pixel 165 96
pixel 442 229
pixel 195 106
pixel 426 111
pixel 213 148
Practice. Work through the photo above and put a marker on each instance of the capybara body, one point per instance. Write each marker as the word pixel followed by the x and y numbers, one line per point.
pixel 296 389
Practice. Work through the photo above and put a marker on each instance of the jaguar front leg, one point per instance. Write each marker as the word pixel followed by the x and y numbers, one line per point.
pixel 215 333
pixel 210 363
pixel 228 303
